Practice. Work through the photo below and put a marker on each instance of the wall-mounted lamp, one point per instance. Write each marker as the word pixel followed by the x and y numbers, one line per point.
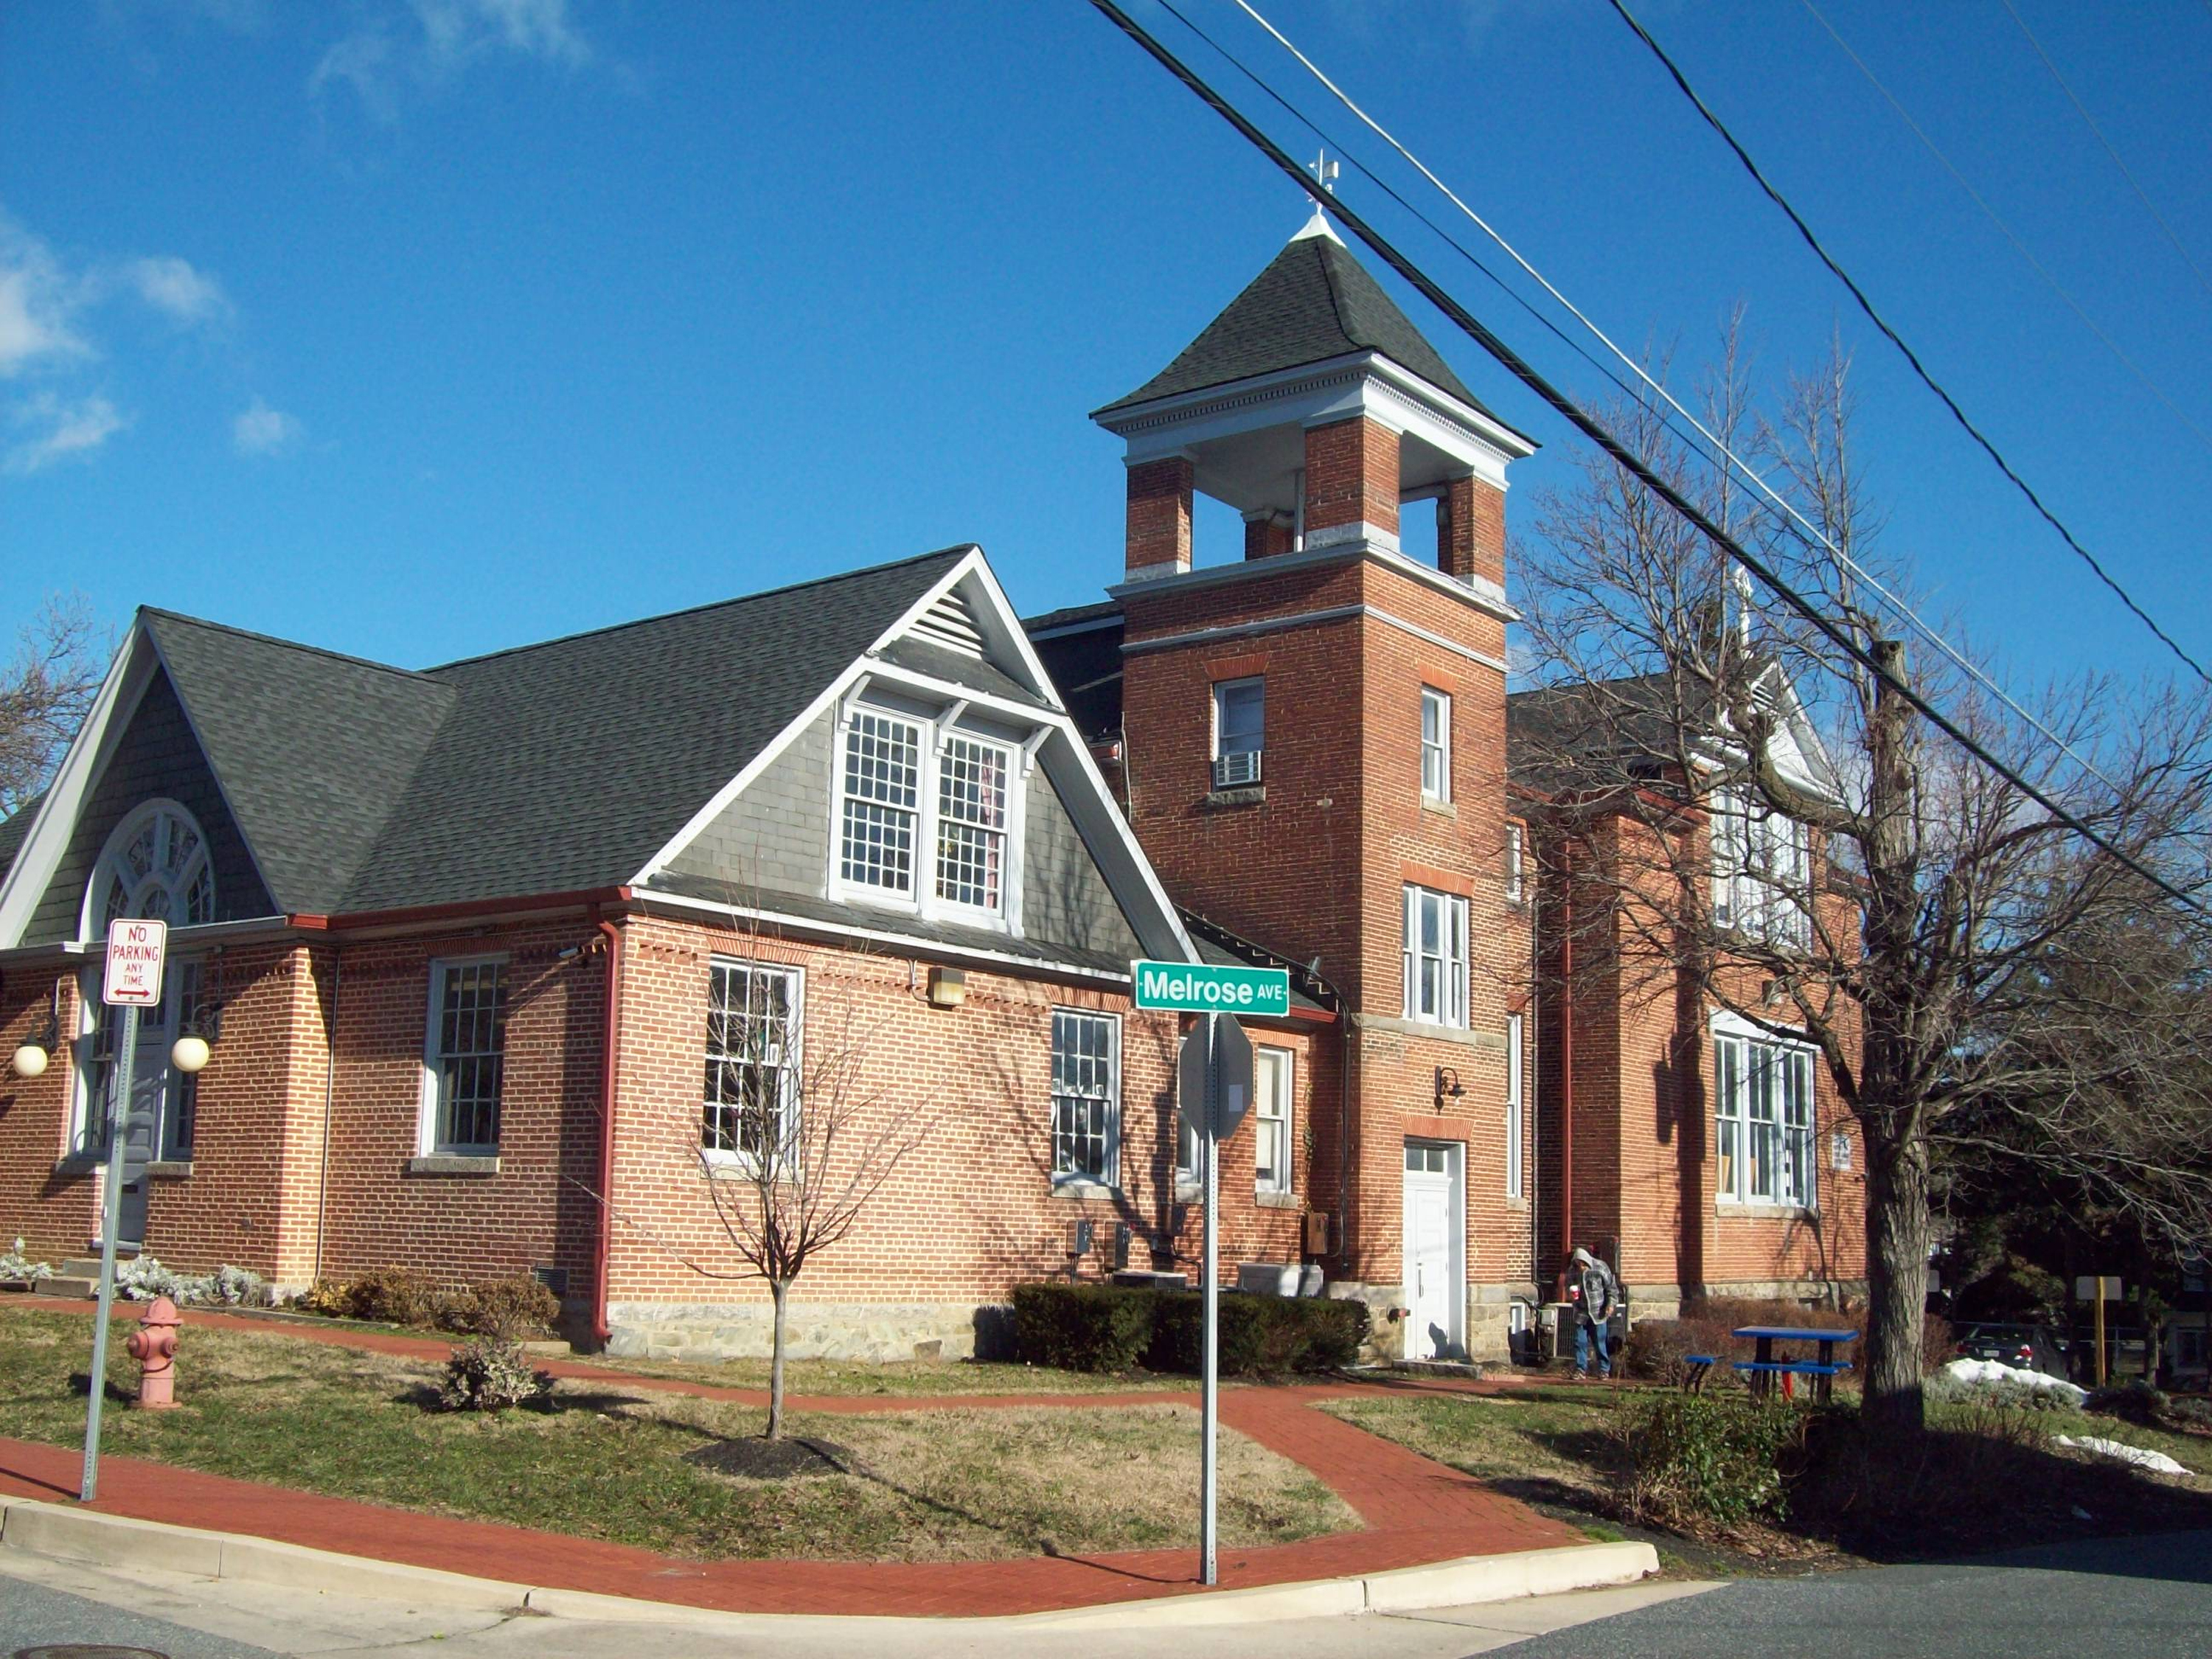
pixel 1448 1087
pixel 203 1024
pixel 948 987
pixel 33 1056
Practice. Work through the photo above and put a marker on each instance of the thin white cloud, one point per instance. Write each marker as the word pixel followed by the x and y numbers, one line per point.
pixel 448 36
pixel 37 297
pixel 261 430
pixel 173 287
pixel 63 429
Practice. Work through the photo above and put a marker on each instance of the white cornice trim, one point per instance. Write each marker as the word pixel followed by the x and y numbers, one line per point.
pixel 1309 618
pixel 1309 558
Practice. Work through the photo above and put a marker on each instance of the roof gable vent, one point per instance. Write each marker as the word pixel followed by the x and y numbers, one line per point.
pixel 949 623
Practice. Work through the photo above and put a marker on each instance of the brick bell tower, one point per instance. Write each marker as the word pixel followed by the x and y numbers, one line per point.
pixel 1316 743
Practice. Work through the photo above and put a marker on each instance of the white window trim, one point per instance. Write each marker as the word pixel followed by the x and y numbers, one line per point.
pixel 1216 693
pixel 1071 1181
pixel 1516 1124
pixel 1454 1015
pixel 426 1120
pixel 1754 894
pixel 725 1157
pixel 1441 794
pixel 1727 1027
pixel 1264 1056
pixel 935 731
pixel 150 1035
pixel 91 925
pixel 1516 853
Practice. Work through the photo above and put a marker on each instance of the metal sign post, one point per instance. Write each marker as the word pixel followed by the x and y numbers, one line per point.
pixel 132 980
pixel 1216 1078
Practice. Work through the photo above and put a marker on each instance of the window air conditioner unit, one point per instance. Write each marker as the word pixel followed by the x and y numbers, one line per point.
pixel 1231 771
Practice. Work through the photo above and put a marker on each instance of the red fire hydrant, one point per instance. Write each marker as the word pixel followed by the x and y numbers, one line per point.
pixel 154 1345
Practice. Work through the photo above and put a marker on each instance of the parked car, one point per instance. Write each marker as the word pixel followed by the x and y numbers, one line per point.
pixel 2025 1347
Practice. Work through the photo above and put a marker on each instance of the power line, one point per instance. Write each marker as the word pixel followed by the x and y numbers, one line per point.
pixel 1806 531
pixel 2090 121
pixel 1621 455
pixel 1867 306
pixel 2010 235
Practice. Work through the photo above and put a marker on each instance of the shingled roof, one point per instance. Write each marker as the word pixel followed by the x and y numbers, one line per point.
pixel 1312 302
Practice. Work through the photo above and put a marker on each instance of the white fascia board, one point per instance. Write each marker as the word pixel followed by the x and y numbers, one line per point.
pixel 1782 692
pixel 83 762
pixel 183 940
pixel 1129 874
pixel 1001 628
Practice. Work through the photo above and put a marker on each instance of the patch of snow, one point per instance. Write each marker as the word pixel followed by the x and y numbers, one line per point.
pixel 2142 1457
pixel 1989 1373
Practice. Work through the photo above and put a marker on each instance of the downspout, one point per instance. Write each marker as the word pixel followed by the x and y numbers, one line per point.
pixel 330 1092
pixel 610 1074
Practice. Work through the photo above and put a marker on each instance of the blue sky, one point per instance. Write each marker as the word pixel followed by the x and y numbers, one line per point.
pixel 416 328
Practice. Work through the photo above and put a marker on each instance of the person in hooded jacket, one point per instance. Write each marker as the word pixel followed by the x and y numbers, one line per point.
pixel 1597 1299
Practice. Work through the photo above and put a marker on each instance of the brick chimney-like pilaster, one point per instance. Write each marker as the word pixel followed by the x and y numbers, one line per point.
pixel 1471 532
pixel 1351 482
pixel 1159 517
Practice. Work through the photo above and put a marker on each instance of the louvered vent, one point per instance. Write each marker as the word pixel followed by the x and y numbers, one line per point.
pixel 950 623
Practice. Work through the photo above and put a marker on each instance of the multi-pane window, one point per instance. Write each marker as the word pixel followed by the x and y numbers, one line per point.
pixel 156 868
pixel 1270 1111
pixel 751 1096
pixel 1515 843
pixel 1515 1128
pixel 1763 1121
pixel 180 1106
pixel 1762 865
pixel 466 1054
pixel 1086 1097
pixel 971 822
pixel 1240 720
pixel 882 800
pixel 1436 744
pixel 1436 957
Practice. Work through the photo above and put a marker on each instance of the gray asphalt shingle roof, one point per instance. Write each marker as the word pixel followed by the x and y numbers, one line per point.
pixel 552 768
pixel 1314 301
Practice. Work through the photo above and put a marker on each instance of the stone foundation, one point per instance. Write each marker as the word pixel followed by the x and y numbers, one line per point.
pixel 1827 1295
pixel 812 1330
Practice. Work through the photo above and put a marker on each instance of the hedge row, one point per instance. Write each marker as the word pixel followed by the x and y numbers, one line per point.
pixel 1113 1328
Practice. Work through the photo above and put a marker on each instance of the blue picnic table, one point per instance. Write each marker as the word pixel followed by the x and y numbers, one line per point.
pixel 1760 1370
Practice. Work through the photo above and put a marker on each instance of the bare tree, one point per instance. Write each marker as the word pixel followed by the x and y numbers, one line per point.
pixel 44 694
pixel 1745 808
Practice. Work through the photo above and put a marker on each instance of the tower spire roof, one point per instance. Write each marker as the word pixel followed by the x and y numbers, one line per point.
pixel 1314 301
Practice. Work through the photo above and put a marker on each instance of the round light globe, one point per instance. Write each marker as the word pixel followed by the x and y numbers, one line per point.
pixel 190 1053
pixel 31 1060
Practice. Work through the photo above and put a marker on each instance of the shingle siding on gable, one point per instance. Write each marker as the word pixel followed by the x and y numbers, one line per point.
pixel 774 837
pixel 1065 897
pixel 157 756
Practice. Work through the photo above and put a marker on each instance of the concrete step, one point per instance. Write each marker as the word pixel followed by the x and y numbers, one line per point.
pixel 68 1284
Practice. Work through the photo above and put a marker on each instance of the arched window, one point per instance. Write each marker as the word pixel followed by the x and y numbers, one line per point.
pixel 155 866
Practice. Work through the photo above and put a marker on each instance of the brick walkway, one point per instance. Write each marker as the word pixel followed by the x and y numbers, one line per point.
pixel 1415 1511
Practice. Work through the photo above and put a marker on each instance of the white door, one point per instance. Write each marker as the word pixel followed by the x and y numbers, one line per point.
pixel 1436 1290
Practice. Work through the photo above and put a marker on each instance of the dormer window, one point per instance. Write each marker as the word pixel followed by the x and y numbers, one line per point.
pixel 1762 869
pixel 1240 721
pixel 907 782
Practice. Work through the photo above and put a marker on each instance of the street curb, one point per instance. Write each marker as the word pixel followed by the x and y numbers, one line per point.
pixel 115 1541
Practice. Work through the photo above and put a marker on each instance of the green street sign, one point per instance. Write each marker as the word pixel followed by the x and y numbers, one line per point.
pixel 1195 988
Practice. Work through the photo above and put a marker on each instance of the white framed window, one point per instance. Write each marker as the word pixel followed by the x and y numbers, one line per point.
pixel 881 807
pixel 972 811
pixel 1272 1117
pixel 1436 744
pixel 1762 871
pixel 1240 728
pixel 1763 1138
pixel 1515 844
pixel 1436 957
pixel 465 1056
pixel 1086 1098
pixel 750 1102
pixel 155 866
pixel 1515 1129
pixel 174 1095
pixel 929 817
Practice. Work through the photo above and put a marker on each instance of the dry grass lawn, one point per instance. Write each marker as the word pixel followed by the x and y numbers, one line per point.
pixel 613 1462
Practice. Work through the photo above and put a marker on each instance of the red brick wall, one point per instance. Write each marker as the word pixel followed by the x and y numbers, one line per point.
pixel 1352 475
pixel 1159 514
pixel 1471 530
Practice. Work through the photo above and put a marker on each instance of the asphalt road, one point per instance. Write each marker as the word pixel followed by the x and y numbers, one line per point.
pixel 33 1615
pixel 2147 1598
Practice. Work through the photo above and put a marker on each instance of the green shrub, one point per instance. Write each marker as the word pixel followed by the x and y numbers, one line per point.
pixel 1110 1328
pixel 1082 1328
pixel 502 1308
pixel 1260 1335
pixel 491 1375
pixel 1718 1458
